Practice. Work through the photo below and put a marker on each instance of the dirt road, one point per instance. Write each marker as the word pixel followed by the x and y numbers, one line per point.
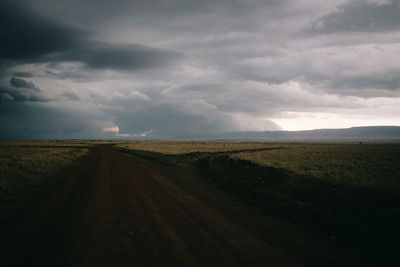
pixel 118 210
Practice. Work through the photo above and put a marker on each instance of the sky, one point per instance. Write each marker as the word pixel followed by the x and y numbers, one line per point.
pixel 182 69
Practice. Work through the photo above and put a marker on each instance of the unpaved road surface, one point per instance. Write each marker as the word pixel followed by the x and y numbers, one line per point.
pixel 118 210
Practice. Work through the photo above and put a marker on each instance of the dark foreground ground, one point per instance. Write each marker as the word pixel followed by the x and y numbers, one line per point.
pixel 119 210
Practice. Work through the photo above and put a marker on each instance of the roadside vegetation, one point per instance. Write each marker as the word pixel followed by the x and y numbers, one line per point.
pixel 185 147
pixel 347 195
pixel 374 166
pixel 26 167
pixel 60 143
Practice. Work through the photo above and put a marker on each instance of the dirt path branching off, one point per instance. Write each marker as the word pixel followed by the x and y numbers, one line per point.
pixel 120 210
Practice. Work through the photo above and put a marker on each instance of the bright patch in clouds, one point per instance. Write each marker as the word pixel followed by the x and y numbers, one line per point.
pixel 114 129
pixel 310 121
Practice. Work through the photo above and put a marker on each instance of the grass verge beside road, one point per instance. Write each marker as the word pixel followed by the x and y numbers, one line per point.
pixel 346 194
pixel 26 168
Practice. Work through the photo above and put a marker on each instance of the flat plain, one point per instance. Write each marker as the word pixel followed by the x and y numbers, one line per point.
pixel 372 165
pixel 199 203
pixel 26 167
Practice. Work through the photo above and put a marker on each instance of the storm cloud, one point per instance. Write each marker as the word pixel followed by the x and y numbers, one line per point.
pixel 27 36
pixel 32 37
pixel 361 15
pixel 21 91
pixel 182 69
pixel 21 83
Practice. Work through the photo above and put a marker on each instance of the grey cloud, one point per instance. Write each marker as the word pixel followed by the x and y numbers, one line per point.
pixel 21 96
pixel 172 121
pixel 361 15
pixel 22 91
pixel 120 57
pixel 27 36
pixel 227 97
pixel 70 96
pixel 31 37
pixel 362 67
pixel 155 9
pixel 204 67
pixel 22 74
pixel 21 83
pixel 385 82
pixel 6 97
pixel 190 110
pixel 35 120
pixel 48 72
pixel 162 19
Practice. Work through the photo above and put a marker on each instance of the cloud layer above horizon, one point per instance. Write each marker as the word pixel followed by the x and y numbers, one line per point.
pixel 182 69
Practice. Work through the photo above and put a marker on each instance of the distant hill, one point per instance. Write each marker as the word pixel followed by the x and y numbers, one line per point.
pixel 370 132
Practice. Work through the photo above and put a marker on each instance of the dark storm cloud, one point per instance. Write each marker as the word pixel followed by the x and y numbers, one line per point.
pixel 30 37
pixel 171 121
pixel 153 9
pixel 27 36
pixel 390 81
pixel 70 96
pixel 21 94
pixel 21 90
pixel 119 57
pixel 34 120
pixel 184 68
pixel 361 15
pixel 21 83
pixel 23 74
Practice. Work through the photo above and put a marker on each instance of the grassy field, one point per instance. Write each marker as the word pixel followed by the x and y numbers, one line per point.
pixel 346 194
pixel 26 166
pixel 61 143
pixel 375 166
pixel 177 148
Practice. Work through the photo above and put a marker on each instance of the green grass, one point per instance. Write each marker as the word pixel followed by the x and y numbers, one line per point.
pixel 25 168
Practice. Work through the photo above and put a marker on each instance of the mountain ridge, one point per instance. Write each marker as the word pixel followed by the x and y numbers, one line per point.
pixel 359 132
